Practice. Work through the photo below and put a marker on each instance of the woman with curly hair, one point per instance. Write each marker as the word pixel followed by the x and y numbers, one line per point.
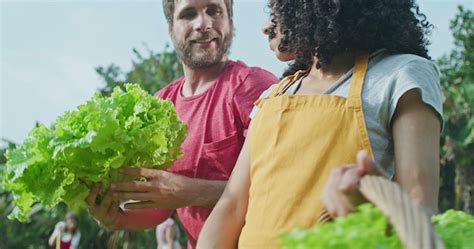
pixel 361 96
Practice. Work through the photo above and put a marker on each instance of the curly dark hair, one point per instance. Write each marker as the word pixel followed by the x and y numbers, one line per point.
pixel 325 28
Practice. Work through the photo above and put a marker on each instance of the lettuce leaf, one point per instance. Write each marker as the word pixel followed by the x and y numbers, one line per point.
pixel 369 228
pixel 89 145
pixel 455 228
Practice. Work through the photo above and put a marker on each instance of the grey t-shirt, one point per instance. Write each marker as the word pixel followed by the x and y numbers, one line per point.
pixel 388 77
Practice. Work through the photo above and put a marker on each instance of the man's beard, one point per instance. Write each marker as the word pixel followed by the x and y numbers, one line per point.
pixel 205 57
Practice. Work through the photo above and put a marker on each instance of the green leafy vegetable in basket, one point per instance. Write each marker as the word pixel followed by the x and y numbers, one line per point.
pixel 89 145
pixel 456 229
pixel 364 229
pixel 369 228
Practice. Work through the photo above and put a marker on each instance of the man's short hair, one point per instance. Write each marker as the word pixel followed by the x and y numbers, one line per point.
pixel 168 8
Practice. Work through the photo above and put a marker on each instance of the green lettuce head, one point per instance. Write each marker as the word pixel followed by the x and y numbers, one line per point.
pixel 89 145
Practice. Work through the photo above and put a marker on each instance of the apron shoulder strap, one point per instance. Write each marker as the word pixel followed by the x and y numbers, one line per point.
pixel 354 100
pixel 360 69
pixel 286 83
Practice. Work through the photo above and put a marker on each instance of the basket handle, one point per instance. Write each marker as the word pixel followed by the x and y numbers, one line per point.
pixel 409 220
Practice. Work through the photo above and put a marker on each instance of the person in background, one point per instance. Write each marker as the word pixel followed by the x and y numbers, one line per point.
pixel 167 234
pixel 66 234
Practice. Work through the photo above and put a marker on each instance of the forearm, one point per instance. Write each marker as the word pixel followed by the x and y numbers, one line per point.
pixel 141 219
pixel 223 227
pixel 205 193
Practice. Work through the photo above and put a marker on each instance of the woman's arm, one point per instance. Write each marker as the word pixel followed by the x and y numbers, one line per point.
pixel 416 134
pixel 223 227
pixel 52 238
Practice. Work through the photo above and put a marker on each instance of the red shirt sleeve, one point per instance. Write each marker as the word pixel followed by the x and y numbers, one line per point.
pixel 257 81
pixel 167 91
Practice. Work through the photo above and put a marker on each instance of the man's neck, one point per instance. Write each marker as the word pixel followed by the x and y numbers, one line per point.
pixel 198 81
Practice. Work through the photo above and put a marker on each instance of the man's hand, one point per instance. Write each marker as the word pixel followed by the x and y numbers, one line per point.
pixel 341 194
pixel 107 212
pixel 161 190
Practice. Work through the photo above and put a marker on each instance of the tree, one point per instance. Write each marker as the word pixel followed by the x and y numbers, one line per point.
pixel 457 143
pixel 151 73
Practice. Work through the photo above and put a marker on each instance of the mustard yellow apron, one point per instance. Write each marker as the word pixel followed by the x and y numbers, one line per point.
pixel 294 144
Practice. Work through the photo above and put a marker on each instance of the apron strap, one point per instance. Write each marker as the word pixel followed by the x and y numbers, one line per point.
pixel 277 87
pixel 354 99
pixel 287 82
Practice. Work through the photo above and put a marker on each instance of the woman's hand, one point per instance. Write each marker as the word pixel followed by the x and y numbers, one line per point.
pixel 341 194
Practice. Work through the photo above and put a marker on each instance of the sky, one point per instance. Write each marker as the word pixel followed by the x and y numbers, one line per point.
pixel 49 49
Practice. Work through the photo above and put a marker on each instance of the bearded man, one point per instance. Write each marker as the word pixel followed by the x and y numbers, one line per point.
pixel 214 99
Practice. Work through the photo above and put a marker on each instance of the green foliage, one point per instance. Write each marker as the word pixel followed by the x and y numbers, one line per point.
pixel 15 234
pixel 3 159
pixel 457 82
pixel 369 228
pixel 361 230
pixel 457 78
pixel 89 145
pixel 152 73
pixel 455 228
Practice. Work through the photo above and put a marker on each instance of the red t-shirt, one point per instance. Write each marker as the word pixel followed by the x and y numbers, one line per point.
pixel 217 123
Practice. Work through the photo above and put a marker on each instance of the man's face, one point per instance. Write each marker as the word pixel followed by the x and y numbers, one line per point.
pixel 201 32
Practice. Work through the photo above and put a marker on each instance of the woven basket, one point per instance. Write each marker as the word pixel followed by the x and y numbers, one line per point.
pixel 409 220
